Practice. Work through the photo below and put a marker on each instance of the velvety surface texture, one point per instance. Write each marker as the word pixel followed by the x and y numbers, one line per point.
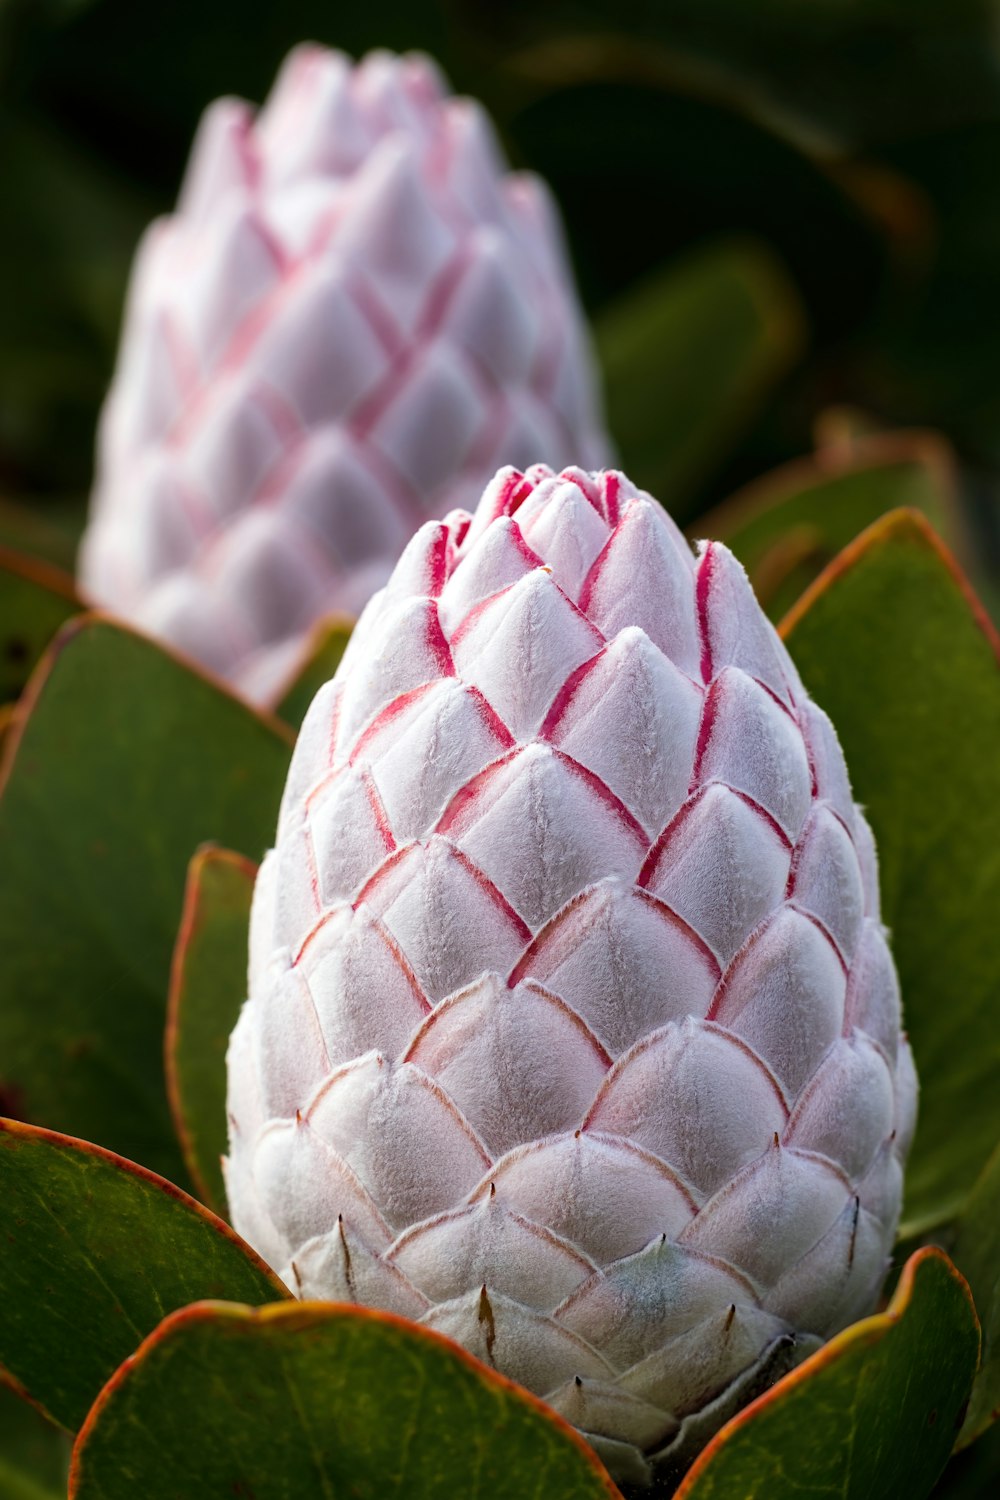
pixel 354 317
pixel 573 1032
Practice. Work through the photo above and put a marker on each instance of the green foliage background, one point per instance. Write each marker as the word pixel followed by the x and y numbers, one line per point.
pixel 857 139
pixel 785 220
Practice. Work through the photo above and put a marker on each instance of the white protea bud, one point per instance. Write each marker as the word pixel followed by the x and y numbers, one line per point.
pixel 354 317
pixel 573 1031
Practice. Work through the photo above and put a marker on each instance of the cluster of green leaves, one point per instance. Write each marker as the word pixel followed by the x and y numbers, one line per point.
pixel 854 142
pixel 137 795
pixel 372 1405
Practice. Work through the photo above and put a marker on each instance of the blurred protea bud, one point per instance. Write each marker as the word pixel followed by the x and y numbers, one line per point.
pixel 573 1032
pixel 355 315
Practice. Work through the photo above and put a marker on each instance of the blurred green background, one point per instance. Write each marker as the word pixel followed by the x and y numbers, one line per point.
pixel 784 214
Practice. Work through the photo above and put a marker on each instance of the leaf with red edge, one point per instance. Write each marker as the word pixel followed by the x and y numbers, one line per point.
pixel 895 647
pixel 875 1412
pixel 94 1252
pixel 789 525
pixel 321 1399
pixel 320 659
pixel 122 760
pixel 35 599
pixel 208 984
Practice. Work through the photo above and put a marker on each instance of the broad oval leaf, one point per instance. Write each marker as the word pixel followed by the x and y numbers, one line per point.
pixel 127 760
pixel 353 1402
pixel 35 600
pixel 788 526
pixel 320 659
pixel 208 984
pixel 688 358
pixel 894 646
pixel 874 1412
pixel 976 1252
pixel 94 1252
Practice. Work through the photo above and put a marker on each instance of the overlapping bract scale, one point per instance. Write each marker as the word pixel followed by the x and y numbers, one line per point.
pixel 354 316
pixel 573 1030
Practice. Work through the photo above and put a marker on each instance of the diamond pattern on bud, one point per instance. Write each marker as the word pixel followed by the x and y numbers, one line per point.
pixel 355 315
pixel 572 1031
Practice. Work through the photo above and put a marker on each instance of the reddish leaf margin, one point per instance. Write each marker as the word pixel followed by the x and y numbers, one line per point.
pixel 297 1316
pixel 191 914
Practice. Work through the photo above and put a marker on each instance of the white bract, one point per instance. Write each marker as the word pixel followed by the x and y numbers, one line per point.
pixel 354 317
pixel 573 1032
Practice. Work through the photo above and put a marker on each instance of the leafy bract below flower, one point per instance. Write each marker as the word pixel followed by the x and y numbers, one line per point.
pixel 572 1031
pixel 354 316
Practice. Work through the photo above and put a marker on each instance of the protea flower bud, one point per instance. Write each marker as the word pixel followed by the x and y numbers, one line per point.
pixel 353 318
pixel 572 1031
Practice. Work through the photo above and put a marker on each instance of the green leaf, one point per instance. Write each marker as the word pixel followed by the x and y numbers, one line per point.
pixel 95 1251
pixel 208 985
pixel 35 600
pixel 34 1454
pixel 792 523
pixel 894 646
pixel 872 1413
pixel 353 1402
pixel 976 1252
pixel 688 358
pixel 320 660
pixel 126 762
